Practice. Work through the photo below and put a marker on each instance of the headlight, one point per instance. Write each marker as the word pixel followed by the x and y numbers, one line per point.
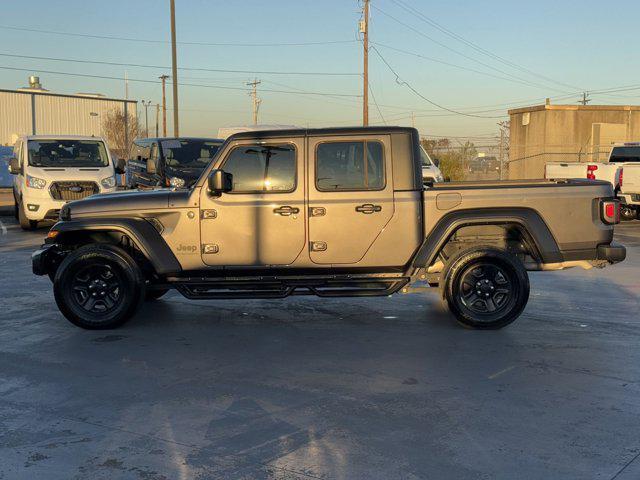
pixel 439 178
pixel 108 182
pixel 176 182
pixel 35 182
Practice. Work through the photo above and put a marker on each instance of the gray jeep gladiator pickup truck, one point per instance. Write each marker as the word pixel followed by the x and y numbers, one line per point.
pixel 329 212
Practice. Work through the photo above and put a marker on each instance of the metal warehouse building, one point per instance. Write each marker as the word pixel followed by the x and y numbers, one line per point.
pixel 567 133
pixel 37 111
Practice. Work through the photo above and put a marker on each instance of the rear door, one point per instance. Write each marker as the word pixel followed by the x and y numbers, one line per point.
pixel 261 222
pixel 350 196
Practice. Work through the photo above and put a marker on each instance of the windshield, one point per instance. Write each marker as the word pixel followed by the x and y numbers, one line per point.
pixel 425 159
pixel 67 153
pixel 189 153
pixel 625 154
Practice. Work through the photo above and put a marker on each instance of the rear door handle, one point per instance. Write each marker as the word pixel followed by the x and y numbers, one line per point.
pixel 368 208
pixel 286 210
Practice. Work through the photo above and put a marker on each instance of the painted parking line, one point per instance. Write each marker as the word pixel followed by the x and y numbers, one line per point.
pixel 497 374
pixel 3 229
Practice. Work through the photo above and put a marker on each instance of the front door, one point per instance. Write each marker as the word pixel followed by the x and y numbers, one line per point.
pixel 350 196
pixel 261 222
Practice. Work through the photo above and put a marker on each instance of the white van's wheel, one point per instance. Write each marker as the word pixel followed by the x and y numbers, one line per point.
pixel 25 223
pixel 628 212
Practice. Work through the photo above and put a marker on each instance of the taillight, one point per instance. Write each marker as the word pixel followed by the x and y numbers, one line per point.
pixel 620 178
pixel 610 211
pixel 590 170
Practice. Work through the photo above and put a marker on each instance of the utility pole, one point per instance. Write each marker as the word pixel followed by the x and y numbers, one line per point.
pixel 157 120
pixel 364 30
pixel 585 98
pixel 254 97
pixel 174 70
pixel 146 116
pixel 164 104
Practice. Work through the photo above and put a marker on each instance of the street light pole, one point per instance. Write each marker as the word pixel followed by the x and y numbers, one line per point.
pixel 157 119
pixel 174 70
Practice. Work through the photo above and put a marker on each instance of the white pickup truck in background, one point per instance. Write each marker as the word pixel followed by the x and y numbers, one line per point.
pixel 622 170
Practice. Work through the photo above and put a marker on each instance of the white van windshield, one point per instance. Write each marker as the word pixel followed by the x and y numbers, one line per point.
pixel 67 153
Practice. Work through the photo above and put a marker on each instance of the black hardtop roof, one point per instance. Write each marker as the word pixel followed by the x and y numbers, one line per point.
pixel 157 139
pixel 297 132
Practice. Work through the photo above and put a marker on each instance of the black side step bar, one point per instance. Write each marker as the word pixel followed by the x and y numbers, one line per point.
pixel 207 289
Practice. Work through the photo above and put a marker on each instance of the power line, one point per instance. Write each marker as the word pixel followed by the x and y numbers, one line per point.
pixel 446 31
pixel 206 44
pixel 399 81
pixel 164 67
pixel 443 45
pixel 442 62
pixel 373 97
pixel 139 80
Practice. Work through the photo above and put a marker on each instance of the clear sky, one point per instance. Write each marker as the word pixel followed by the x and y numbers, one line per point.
pixel 545 48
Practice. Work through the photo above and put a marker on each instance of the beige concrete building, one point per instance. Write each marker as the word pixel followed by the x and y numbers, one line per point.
pixel 36 111
pixel 567 133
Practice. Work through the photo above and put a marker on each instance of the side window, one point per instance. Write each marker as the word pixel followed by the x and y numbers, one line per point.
pixel 262 168
pixel 350 166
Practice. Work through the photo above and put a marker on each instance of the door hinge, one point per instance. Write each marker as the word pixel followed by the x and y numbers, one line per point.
pixel 317 211
pixel 210 248
pixel 318 246
pixel 208 214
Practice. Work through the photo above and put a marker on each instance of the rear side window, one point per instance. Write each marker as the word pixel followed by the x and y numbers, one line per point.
pixel 262 168
pixel 625 154
pixel 350 166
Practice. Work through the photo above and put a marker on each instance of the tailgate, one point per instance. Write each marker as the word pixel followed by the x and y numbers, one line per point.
pixel 631 178
pixel 565 170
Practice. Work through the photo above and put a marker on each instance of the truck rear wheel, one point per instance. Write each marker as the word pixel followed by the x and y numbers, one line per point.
pixel 98 287
pixel 485 288
pixel 627 212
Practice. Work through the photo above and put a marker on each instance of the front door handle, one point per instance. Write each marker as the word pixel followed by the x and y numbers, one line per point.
pixel 286 210
pixel 368 208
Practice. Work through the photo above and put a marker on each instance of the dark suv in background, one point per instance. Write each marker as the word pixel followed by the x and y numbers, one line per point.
pixel 169 162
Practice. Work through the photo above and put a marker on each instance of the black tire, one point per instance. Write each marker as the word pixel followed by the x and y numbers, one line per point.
pixel 98 287
pixel 15 209
pixel 25 223
pixel 155 294
pixel 485 288
pixel 628 213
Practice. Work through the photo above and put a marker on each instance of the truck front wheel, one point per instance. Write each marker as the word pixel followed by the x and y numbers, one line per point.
pixel 98 287
pixel 485 288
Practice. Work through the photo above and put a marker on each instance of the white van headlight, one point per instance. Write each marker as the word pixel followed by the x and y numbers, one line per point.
pixel 108 182
pixel 35 182
pixel 176 182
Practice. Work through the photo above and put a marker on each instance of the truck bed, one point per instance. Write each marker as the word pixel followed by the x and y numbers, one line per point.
pixel 566 207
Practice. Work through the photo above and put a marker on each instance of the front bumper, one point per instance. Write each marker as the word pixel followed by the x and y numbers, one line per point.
pixel 613 253
pixel 46 259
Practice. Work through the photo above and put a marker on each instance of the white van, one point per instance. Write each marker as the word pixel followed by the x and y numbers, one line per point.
pixel 52 170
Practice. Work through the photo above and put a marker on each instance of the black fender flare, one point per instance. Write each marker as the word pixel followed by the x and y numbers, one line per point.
pixel 528 221
pixel 141 232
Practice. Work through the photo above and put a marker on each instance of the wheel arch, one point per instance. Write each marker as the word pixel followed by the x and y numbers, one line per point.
pixel 141 234
pixel 526 221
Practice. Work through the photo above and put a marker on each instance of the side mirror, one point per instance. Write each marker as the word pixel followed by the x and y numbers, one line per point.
pixel 121 166
pixel 220 182
pixel 14 166
pixel 151 166
pixel 436 161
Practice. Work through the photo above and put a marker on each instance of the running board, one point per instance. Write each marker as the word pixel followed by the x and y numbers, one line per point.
pixel 207 289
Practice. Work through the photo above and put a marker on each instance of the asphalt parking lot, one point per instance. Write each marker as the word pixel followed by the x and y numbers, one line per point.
pixel 308 388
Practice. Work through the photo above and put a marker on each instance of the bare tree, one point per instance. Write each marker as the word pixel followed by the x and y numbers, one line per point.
pixel 120 131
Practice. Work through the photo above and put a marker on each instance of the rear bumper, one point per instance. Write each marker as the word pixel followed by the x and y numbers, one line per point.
pixel 613 253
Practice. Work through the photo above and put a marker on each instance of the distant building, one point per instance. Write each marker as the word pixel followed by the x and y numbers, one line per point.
pixel 36 111
pixel 567 133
